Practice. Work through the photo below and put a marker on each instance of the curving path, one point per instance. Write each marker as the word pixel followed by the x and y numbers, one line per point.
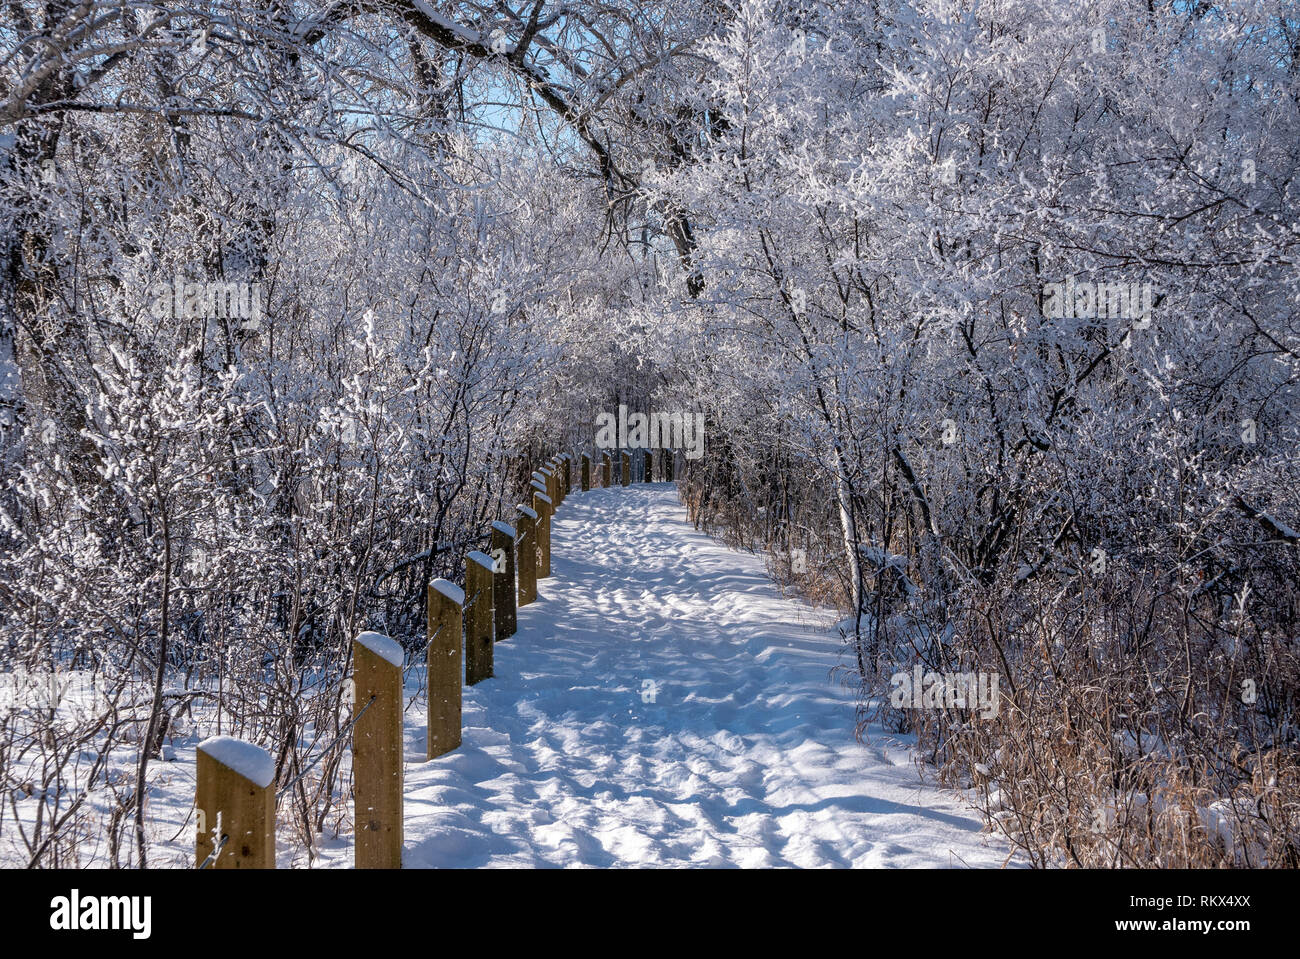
pixel 662 704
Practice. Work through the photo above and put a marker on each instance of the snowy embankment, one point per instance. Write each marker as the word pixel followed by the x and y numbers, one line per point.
pixel 662 704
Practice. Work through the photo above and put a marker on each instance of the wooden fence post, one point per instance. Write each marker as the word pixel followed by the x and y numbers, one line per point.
pixel 666 465
pixel 607 471
pixel 503 580
pixel 527 555
pixel 446 628
pixel 478 617
pixel 545 509
pixel 235 790
pixel 586 472
pixel 648 475
pixel 377 752
pixel 626 469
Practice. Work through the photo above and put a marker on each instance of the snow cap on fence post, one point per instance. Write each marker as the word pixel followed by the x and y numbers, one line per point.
pixel 553 487
pixel 546 476
pixel 234 797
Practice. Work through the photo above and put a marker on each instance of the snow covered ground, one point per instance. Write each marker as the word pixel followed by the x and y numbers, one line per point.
pixel 662 704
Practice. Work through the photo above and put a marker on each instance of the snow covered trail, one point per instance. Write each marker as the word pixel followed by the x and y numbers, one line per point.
pixel 662 704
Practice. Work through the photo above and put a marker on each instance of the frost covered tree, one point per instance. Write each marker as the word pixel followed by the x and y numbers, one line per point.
pixel 885 207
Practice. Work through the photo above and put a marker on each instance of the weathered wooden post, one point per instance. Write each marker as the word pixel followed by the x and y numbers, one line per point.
pixel 234 797
pixel 446 628
pixel 527 555
pixel 503 580
pixel 568 474
pixel 377 751
pixel 607 471
pixel 545 509
pixel 626 465
pixel 586 472
pixel 648 474
pixel 666 465
pixel 478 617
